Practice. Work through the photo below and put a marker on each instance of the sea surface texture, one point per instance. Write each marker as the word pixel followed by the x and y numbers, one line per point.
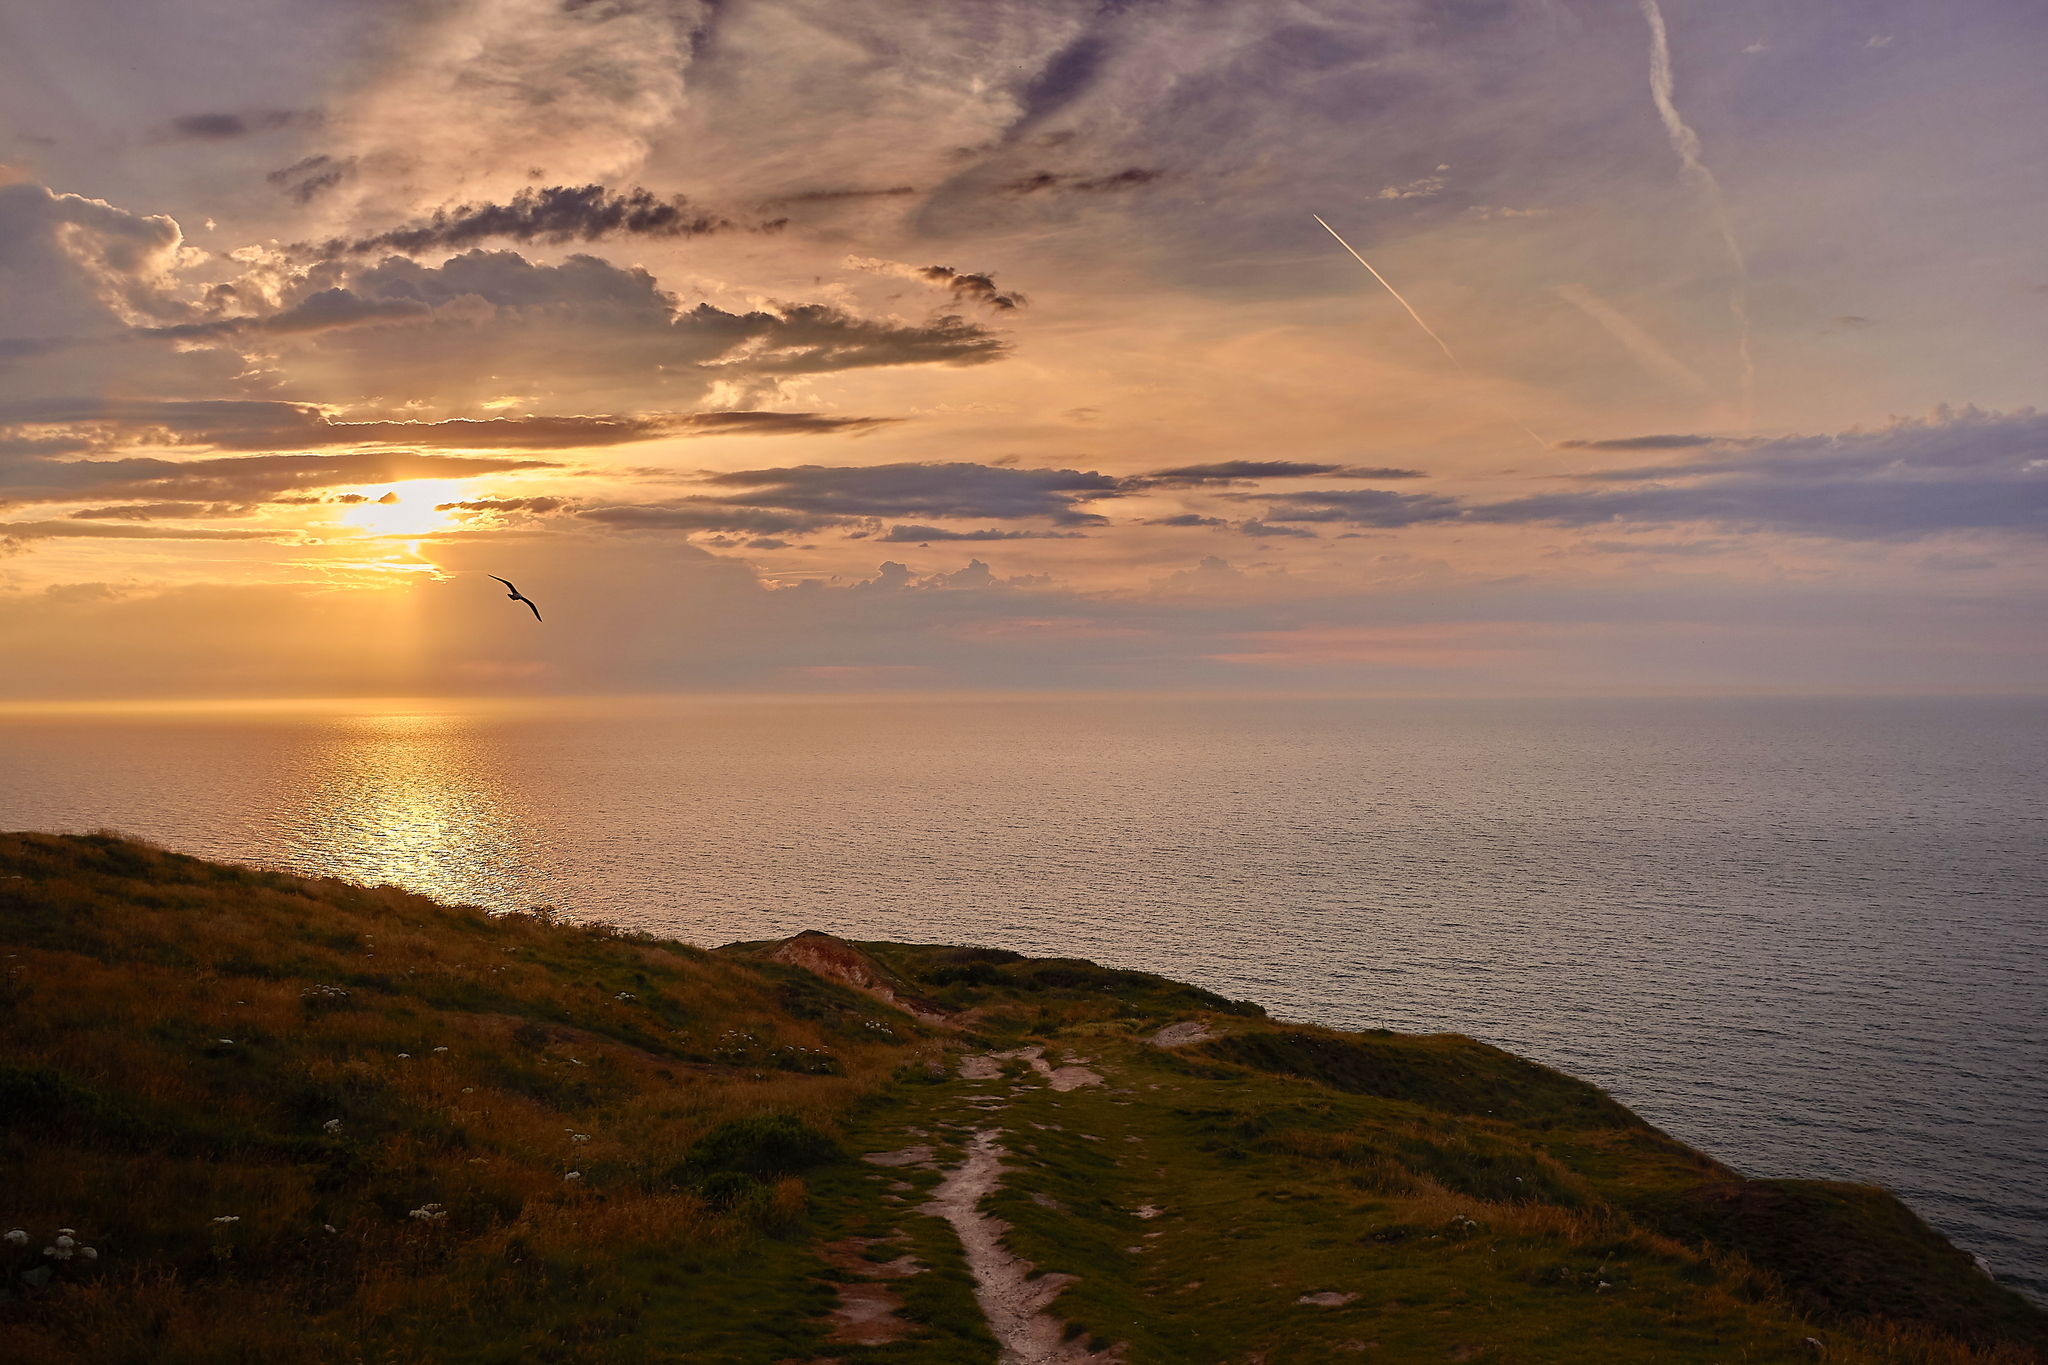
pixel 1806 936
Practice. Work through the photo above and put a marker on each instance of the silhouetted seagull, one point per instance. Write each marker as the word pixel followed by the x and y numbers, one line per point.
pixel 513 596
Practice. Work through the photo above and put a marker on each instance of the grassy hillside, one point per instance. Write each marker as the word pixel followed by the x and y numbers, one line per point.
pixel 300 1120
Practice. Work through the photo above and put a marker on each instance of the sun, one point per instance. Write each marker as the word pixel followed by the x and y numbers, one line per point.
pixel 407 510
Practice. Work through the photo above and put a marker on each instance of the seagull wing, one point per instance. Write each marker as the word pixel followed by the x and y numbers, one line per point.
pixel 532 608
pixel 506 581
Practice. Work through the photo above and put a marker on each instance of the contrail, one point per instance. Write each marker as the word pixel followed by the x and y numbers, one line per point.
pixel 1634 339
pixel 1417 316
pixel 1686 143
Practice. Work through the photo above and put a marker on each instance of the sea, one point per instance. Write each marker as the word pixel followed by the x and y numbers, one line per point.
pixel 1806 935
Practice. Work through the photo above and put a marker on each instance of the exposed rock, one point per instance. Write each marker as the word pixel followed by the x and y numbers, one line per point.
pixel 837 960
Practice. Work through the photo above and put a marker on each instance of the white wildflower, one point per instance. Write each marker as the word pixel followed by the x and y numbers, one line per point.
pixel 331 1127
pixel 440 1049
pixel 65 1243
pixel 468 1089
pixel 579 1137
pixel 228 1218
pixel 428 1213
pixel 88 1253
pixel 16 1238
pixel 625 995
pixel 573 1175
pixel 405 1056
pixel 229 1041
pixel 328 1226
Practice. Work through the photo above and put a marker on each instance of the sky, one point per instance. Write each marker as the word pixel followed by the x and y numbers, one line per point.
pixel 785 346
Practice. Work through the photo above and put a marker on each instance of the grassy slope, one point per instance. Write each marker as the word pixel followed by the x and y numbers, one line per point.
pixel 1474 1203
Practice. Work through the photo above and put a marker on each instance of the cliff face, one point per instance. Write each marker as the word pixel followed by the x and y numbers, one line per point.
pixel 306 1121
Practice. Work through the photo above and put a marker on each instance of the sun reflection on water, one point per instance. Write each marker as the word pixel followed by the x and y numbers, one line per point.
pixel 414 801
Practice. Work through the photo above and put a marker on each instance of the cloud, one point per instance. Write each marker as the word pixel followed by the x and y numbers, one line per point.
pixel 72 266
pixel 690 515
pixel 1355 507
pixel 839 196
pixel 1188 519
pixel 1642 443
pixel 550 216
pixel 1416 189
pixel 1057 182
pixel 485 323
pixel 308 178
pixel 1234 472
pixel 1964 470
pixel 324 311
pixel 223 127
pixel 1262 529
pixel 930 490
pixel 153 511
pixel 56 426
pixel 972 288
pixel 233 478
pixel 539 506
pixel 919 535
pixel 46 530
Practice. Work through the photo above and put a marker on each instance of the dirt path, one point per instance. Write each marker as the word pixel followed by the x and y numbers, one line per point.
pixel 1013 1302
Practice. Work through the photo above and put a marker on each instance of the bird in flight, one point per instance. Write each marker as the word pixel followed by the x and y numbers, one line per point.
pixel 513 596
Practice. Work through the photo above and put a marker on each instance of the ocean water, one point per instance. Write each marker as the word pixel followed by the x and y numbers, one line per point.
pixel 1808 936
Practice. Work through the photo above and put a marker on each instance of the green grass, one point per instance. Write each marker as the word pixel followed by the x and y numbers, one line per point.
pixel 182 1041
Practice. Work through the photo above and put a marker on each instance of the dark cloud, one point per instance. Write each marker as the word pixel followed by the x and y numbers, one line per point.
pixel 1354 507
pixel 242 478
pixel 837 196
pixel 59 426
pixel 931 490
pixel 1261 528
pixel 54 530
pixel 222 127
pixel 155 511
pixel 919 535
pixel 1188 519
pixel 1066 75
pixel 1641 443
pixel 706 514
pixel 1230 472
pixel 506 321
pixel 323 311
pixel 1661 548
pixel 975 288
pixel 1953 471
pixel 1041 181
pixel 535 505
pixel 772 424
pixel 550 216
pixel 307 179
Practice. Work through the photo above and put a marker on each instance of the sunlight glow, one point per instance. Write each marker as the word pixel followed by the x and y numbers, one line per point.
pixel 410 511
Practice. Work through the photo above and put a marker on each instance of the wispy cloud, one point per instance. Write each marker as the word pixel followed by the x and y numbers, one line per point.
pixel 550 216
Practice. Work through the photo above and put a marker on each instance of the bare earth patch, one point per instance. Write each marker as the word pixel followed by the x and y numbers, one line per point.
pixel 909 1156
pixel 1180 1035
pixel 866 1316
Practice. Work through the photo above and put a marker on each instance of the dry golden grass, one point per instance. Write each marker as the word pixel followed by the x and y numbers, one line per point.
pixel 182 1024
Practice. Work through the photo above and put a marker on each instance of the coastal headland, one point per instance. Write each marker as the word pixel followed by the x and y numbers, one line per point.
pixel 252 1116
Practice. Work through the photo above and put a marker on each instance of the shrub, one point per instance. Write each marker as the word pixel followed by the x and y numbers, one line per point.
pixel 765 1146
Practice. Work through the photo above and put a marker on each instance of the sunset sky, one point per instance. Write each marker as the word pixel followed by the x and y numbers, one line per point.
pixel 801 345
